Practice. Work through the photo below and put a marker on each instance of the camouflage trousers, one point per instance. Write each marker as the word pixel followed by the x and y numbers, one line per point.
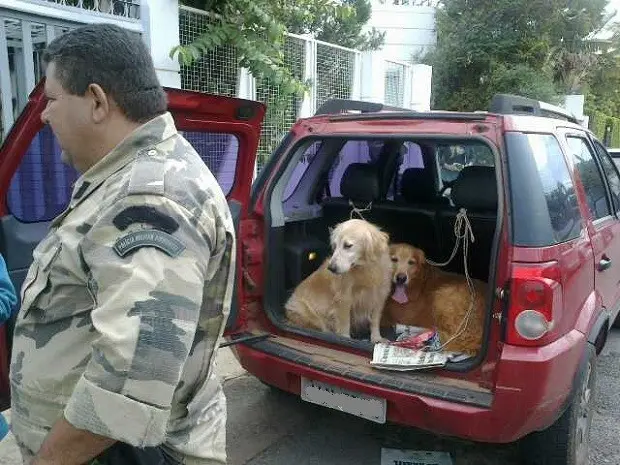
pixel 124 454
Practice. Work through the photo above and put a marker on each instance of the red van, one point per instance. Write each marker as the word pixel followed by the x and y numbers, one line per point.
pixel 542 196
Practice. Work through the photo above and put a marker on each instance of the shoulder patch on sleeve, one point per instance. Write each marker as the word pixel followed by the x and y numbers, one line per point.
pixel 149 238
pixel 148 172
pixel 145 214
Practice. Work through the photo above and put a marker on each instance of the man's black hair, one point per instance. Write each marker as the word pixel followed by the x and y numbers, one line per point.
pixel 114 58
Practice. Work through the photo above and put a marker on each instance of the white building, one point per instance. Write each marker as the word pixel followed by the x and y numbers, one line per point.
pixel 409 26
pixel 410 31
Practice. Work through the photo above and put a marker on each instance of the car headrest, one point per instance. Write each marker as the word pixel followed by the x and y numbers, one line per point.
pixel 360 182
pixel 475 188
pixel 417 185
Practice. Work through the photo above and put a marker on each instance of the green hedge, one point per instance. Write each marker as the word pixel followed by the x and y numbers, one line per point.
pixel 598 124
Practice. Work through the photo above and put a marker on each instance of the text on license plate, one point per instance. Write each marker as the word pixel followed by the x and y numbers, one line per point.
pixel 355 403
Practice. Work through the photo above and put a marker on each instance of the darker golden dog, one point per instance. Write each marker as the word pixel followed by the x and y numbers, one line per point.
pixel 427 296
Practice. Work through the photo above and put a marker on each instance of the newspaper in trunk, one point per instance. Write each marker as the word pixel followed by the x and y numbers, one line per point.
pixel 390 357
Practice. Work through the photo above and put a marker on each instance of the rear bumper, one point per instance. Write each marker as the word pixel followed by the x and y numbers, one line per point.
pixel 532 386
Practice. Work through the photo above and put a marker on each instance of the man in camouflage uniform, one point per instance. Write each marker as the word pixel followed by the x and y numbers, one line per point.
pixel 128 294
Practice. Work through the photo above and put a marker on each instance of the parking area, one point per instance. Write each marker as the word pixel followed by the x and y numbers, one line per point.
pixel 266 427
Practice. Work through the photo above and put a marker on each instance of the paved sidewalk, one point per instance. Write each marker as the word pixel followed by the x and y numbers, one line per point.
pixel 227 367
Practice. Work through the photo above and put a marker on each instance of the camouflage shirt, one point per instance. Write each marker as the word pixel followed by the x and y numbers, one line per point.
pixel 125 302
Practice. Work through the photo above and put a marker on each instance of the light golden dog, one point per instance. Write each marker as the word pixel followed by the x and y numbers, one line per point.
pixel 350 288
pixel 426 296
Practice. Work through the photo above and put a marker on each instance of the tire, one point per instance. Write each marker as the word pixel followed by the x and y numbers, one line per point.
pixel 566 442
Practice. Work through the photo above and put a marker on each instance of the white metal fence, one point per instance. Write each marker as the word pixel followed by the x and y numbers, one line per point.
pixel 395 82
pixel 122 8
pixel 217 71
pixel 281 113
pixel 333 72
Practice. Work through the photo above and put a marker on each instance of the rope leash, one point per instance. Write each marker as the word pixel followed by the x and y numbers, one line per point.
pixel 464 233
pixel 359 211
pixel 462 221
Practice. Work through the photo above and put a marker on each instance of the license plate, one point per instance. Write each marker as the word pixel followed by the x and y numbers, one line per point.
pixel 368 407
pixel 410 457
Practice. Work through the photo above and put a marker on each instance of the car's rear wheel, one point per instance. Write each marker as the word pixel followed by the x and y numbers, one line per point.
pixel 566 442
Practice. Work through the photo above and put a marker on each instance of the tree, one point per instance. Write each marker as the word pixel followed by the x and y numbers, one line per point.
pixel 340 23
pixel 603 94
pixel 575 50
pixel 603 90
pixel 256 29
pixel 535 48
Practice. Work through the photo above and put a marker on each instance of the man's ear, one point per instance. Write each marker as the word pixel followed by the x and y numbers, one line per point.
pixel 101 104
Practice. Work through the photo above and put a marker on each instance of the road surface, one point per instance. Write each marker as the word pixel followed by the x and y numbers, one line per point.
pixel 267 427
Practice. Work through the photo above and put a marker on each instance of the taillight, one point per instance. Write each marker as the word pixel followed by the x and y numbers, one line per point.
pixel 535 303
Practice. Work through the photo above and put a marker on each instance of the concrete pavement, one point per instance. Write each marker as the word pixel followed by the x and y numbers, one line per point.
pixel 266 427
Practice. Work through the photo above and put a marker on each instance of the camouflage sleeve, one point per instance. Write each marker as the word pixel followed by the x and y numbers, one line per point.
pixel 146 262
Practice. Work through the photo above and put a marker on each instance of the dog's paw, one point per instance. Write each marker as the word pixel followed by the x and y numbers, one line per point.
pixel 379 340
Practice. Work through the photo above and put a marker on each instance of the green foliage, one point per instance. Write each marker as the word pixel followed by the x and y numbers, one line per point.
pixel 252 34
pixel 339 23
pixel 535 48
pixel 603 90
pixel 606 128
pixel 522 80
pixel 256 30
pixel 252 31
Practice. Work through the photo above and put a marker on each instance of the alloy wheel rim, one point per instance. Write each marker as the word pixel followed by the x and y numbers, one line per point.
pixel 584 419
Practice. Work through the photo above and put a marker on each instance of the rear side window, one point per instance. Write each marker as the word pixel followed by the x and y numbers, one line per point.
pixel 219 151
pixel 615 155
pixel 544 204
pixel 593 183
pixel 411 158
pixel 300 169
pixel 354 151
pixel 611 172
pixel 41 187
pixel 453 157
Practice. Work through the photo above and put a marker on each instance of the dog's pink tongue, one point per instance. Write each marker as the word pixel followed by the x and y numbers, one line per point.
pixel 400 294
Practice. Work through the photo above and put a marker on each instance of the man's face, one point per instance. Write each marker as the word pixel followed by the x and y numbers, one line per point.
pixel 70 117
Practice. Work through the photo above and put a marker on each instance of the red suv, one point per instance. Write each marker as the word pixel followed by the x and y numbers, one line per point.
pixel 542 196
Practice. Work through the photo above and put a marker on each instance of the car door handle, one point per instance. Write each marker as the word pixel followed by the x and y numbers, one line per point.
pixel 604 264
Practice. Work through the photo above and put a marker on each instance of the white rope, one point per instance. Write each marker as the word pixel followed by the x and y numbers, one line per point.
pixel 462 221
pixel 467 236
pixel 359 211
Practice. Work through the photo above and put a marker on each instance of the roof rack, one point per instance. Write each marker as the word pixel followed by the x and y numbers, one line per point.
pixel 508 104
pixel 335 106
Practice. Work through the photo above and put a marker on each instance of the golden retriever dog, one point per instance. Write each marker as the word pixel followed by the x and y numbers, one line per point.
pixel 424 295
pixel 350 288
